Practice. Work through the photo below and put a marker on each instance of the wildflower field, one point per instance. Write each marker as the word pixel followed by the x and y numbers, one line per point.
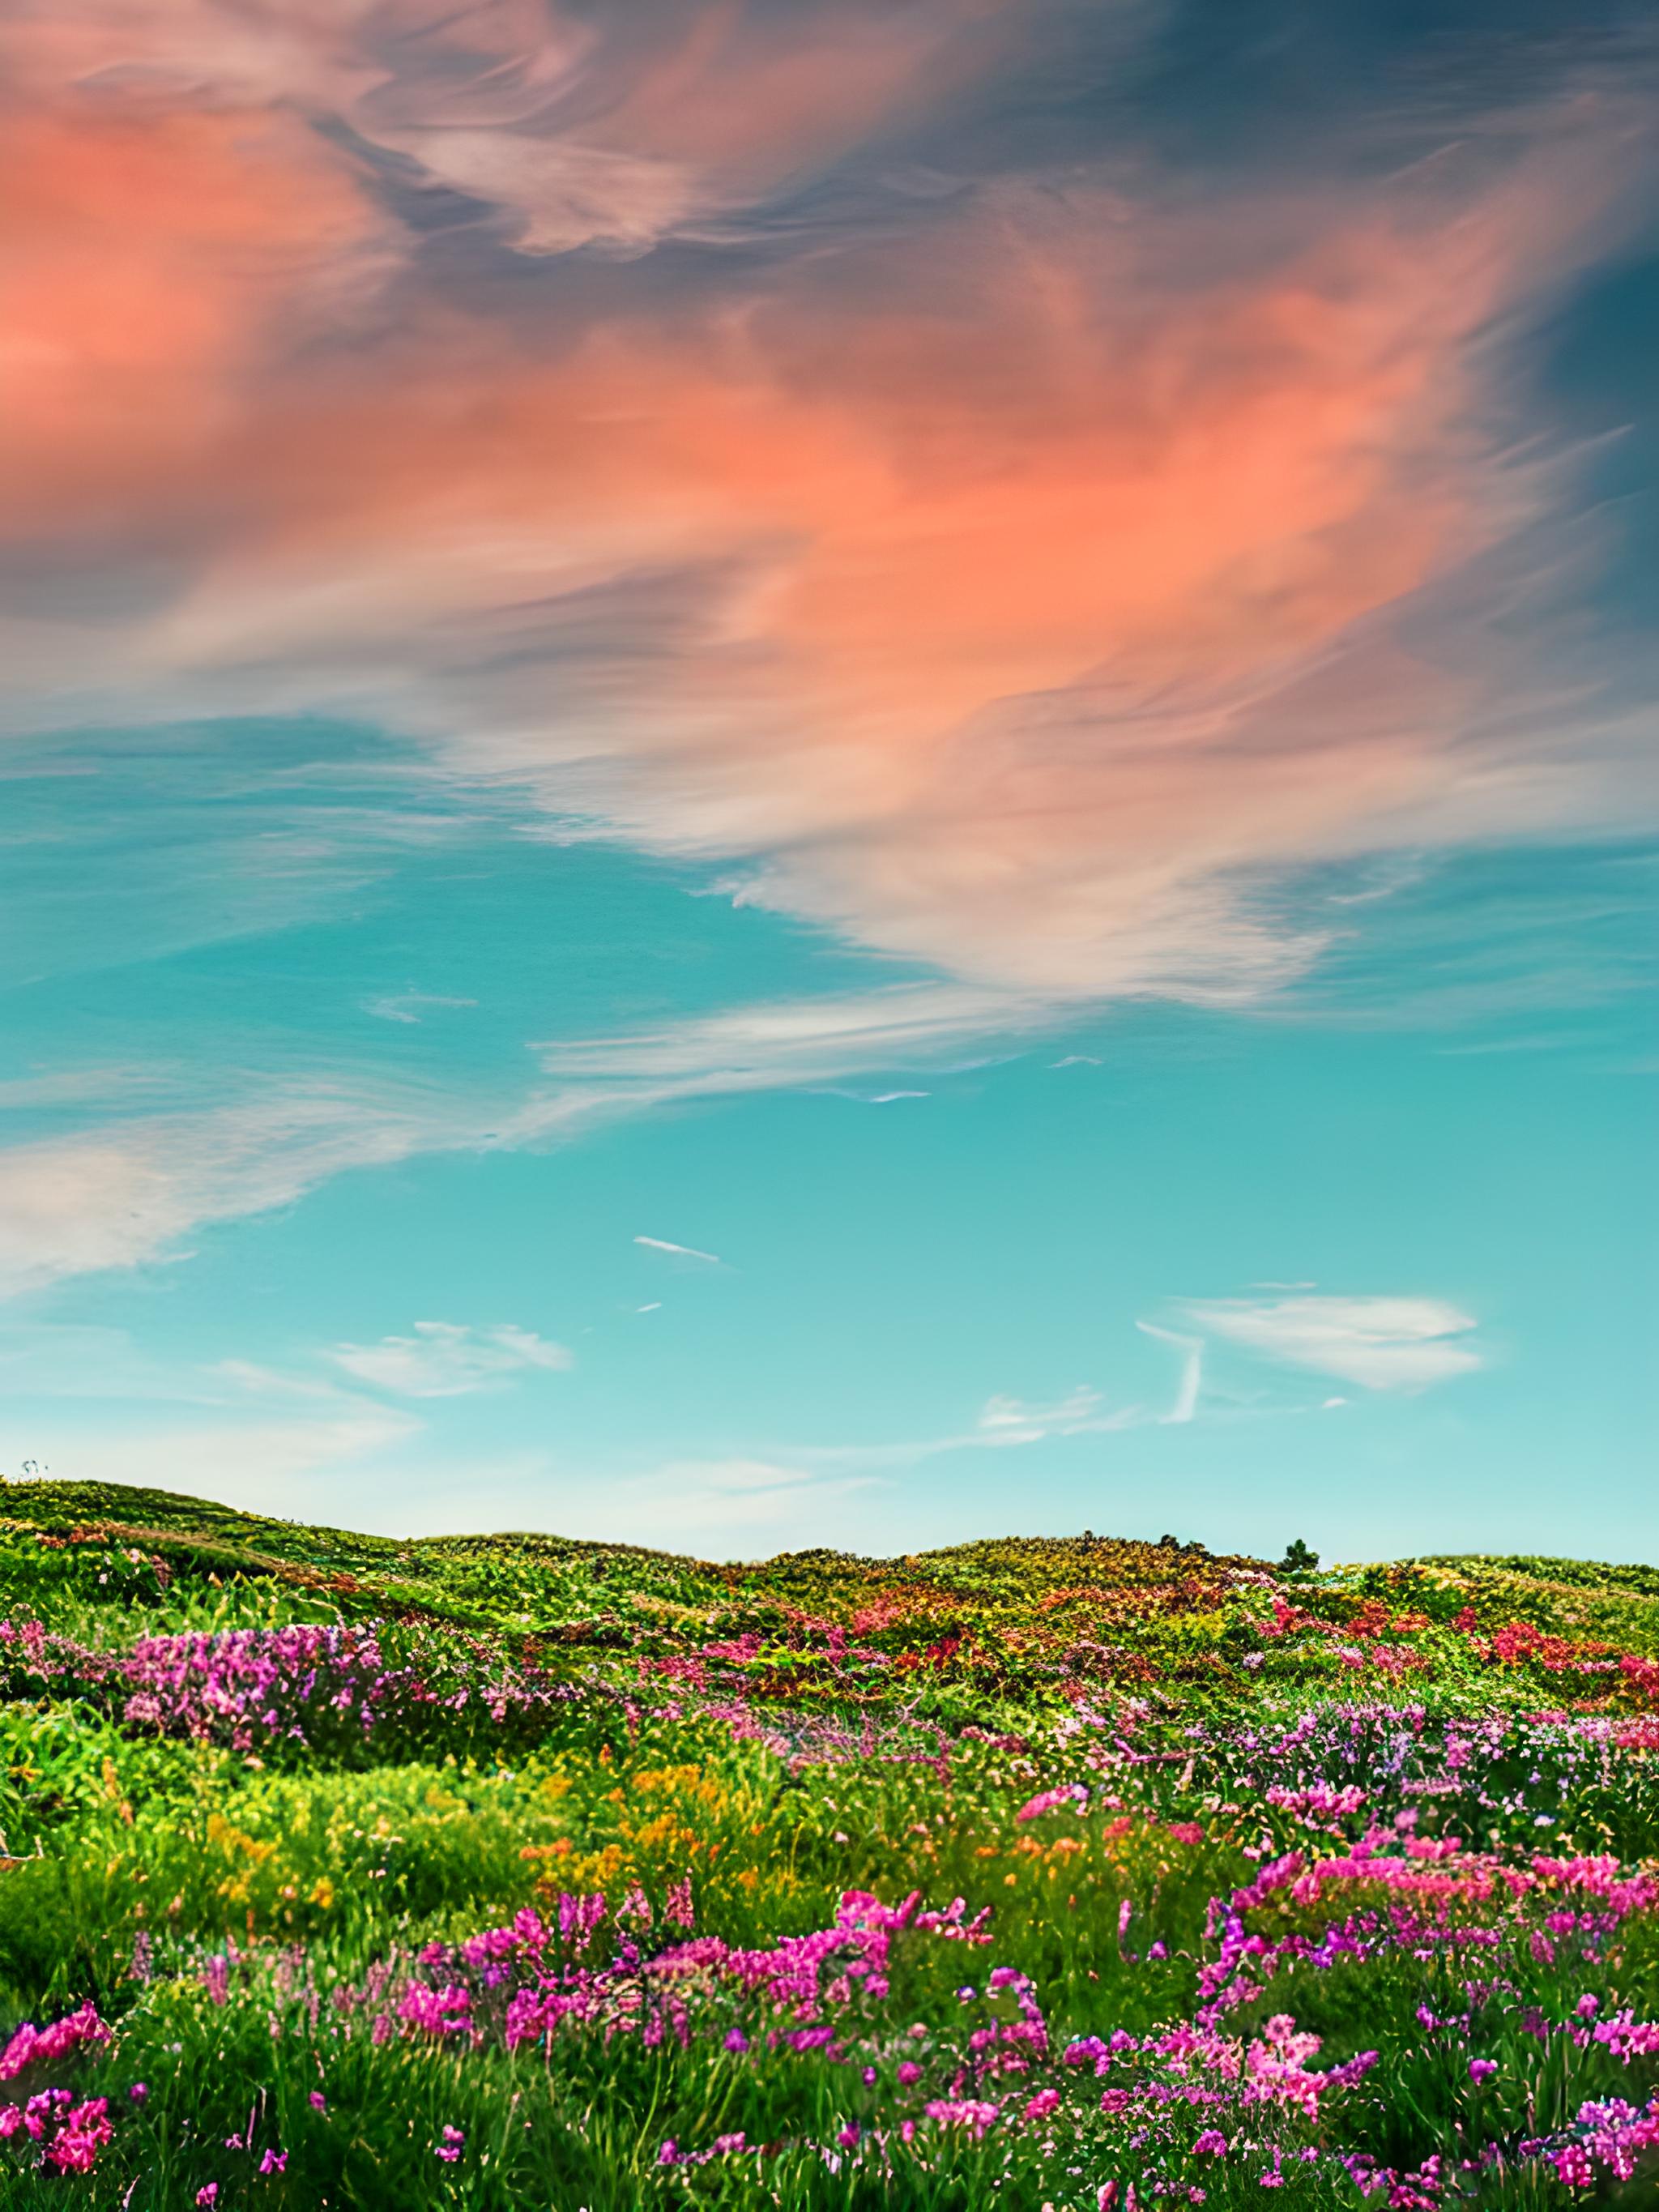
pixel 510 1872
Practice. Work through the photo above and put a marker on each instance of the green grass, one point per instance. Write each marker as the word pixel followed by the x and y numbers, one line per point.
pixel 747 1746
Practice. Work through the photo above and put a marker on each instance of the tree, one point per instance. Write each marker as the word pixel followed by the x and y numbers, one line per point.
pixel 1299 1560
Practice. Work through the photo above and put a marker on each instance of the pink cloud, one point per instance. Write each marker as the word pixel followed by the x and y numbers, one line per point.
pixel 1001 591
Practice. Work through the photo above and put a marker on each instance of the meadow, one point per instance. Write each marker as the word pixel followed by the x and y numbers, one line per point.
pixel 1079 1875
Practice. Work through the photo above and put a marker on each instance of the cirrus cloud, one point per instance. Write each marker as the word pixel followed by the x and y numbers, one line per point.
pixel 446 1359
pixel 1017 577
pixel 1379 1343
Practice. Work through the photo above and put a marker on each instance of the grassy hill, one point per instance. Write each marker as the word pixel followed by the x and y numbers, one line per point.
pixel 496 1871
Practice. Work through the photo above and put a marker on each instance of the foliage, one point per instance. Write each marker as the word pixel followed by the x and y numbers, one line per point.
pixel 491 1872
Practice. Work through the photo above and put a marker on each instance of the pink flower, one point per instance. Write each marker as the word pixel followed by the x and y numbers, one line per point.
pixel 208 2194
pixel 82 2135
pixel 963 2112
pixel 320 2102
pixel 1050 1801
pixel 1044 2102
pixel 1481 2068
pixel 448 2011
pixel 31 2044
pixel 1574 2167
pixel 909 2072
pixel 274 2161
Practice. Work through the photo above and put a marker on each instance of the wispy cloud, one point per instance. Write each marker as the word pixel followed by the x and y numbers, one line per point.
pixel 1192 1372
pixel 1025 587
pixel 131 1192
pixel 1003 1415
pixel 404 1005
pixel 446 1359
pixel 1006 1421
pixel 872 1097
pixel 1107 542
pixel 1379 1343
pixel 680 1251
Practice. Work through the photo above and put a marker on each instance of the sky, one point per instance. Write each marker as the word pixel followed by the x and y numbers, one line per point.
pixel 835 772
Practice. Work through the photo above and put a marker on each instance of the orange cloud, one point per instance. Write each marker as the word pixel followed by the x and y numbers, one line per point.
pixel 152 263
pixel 998 589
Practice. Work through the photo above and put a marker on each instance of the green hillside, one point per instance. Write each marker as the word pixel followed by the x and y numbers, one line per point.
pixel 494 1871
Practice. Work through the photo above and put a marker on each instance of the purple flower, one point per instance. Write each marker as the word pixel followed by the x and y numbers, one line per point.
pixel 1480 2068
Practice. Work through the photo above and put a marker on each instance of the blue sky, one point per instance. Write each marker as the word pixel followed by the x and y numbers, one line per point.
pixel 935 1276
pixel 939 824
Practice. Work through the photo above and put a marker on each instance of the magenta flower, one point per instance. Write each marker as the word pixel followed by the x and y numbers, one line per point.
pixel 80 2135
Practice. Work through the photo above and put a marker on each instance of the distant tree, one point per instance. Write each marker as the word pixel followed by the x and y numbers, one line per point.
pixel 1299 1560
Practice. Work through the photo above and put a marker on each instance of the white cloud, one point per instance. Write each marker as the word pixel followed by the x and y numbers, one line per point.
pixel 400 1008
pixel 116 1196
pixel 1012 1415
pixel 679 1251
pixel 445 1359
pixel 1379 1343
pixel 1005 1420
pixel 1192 1372
pixel 800 1040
